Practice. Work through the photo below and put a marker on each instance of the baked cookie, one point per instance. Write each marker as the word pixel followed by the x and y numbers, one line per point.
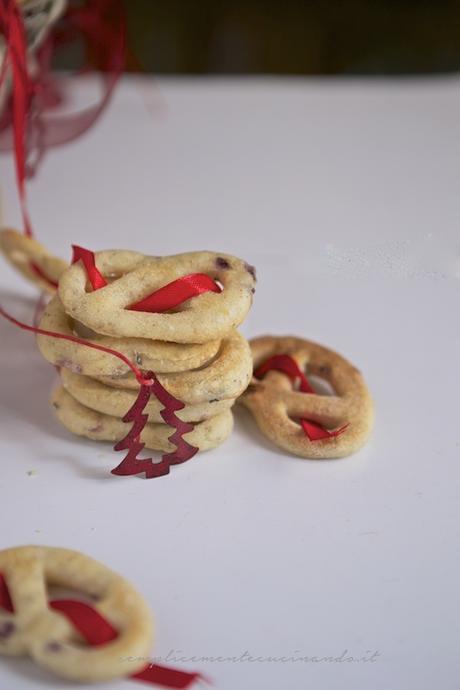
pixel 133 276
pixel 37 629
pixel 83 421
pixel 278 408
pixel 224 377
pixel 117 401
pixel 151 355
pixel 32 260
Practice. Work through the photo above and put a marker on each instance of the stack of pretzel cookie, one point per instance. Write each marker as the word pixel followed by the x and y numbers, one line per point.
pixel 194 348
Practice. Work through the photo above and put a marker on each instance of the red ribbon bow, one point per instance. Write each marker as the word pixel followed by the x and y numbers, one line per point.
pixel 287 365
pixel 97 630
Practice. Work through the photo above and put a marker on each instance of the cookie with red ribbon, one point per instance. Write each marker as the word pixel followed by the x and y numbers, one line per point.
pixel 138 296
pixel 83 421
pixel 32 260
pixel 32 626
pixel 154 355
pixel 298 417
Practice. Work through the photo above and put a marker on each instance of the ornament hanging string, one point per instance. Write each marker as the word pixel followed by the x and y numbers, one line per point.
pixel 96 630
pixel 288 366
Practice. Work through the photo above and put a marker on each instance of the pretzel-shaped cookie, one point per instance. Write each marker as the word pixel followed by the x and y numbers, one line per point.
pixel 224 377
pixel 83 421
pixel 278 408
pixel 47 636
pixel 154 355
pixel 116 401
pixel 198 320
pixel 31 259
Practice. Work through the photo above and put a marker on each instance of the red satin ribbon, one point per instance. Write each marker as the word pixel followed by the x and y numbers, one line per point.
pixel 287 365
pixel 97 630
pixel 175 293
pixel 88 259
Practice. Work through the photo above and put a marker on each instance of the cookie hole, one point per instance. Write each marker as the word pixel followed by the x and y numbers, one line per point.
pixel 82 331
pixel 60 592
pixel 320 385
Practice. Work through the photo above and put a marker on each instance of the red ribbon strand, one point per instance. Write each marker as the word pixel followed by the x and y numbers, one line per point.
pixel 288 366
pixel 23 124
pixel 52 334
pixel 97 630
pixel 12 27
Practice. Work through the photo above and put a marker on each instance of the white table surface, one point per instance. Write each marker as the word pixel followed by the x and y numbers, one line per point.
pixel 345 197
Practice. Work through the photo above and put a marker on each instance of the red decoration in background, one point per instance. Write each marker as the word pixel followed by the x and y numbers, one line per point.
pixel 88 259
pixel 23 124
pixel 97 630
pixel 38 271
pixel 132 465
pixel 287 365
pixel 12 27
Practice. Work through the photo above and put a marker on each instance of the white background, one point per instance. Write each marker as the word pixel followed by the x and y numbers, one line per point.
pixel 345 197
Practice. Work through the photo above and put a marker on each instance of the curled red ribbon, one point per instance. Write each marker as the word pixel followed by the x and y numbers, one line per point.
pixel 88 259
pixel 97 630
pixel 12 27
pixel 287 365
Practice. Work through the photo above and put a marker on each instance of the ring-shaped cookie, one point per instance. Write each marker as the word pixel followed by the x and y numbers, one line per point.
pixel 116 401
pixel 151 355
pixel 277 407
pixel 226 376
pixel 83 421
pixel 48 637
pixel 32 260
pixel 134 276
